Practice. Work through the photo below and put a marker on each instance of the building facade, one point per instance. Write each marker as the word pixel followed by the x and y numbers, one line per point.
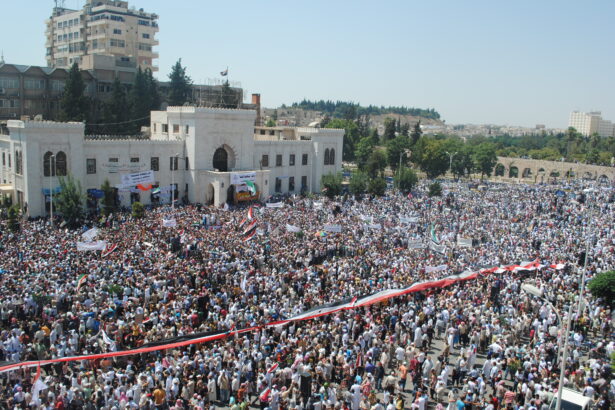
pixel 102 27
pixel 198 155
pixel 588 123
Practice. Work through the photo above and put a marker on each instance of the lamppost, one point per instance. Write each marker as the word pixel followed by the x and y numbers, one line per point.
pixel 450 158
pixel 533 290
pixel 401 154
pixel 51 168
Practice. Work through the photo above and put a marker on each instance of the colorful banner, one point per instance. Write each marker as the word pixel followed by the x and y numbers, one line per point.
pixel 240 178
pixel 134 179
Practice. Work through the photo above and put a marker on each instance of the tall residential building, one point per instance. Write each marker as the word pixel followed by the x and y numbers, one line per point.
pixel 588 123
pixel 102 27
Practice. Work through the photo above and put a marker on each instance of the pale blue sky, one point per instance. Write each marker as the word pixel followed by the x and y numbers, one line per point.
pixel 514 62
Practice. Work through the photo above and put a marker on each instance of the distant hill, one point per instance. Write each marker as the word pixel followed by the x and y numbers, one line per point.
pixel 344 109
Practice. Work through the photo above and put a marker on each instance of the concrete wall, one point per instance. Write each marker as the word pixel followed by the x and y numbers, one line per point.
pixel 532 170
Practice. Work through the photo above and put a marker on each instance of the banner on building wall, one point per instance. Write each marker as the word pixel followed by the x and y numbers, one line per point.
pixel 239 178
pixel 134 179
pixel 242 196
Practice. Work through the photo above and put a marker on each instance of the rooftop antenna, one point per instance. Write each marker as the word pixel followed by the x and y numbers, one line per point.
pixel 2 57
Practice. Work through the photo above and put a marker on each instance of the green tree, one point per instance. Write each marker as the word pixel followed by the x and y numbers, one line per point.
pixel 13 218
pixel 138 210
pixel 270 123
pixel 74 103
pixel 435 189
pixel 140 102
pixel 603 286
pixel 180 87
pixel 364 149
pixel 351 136
pixel 485 158
pixel 230 99
pixel 433 159
pixel 358 183
pixel 115 111
pixel 389 129
pixel 332 184
pixel 406 179
pixel 572 137
pixel 373 135
pixel 463 164
pixel 376 163
pixel 397 151
pixel 405 129
pixel 377 186
pixel 109 204
pixel 69 201
pixel 417 132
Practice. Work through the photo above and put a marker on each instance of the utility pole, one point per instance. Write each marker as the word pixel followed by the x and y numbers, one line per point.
pixel 51 168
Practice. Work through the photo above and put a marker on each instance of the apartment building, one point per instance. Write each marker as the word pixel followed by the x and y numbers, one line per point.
pixel 588 123
pixel 102 27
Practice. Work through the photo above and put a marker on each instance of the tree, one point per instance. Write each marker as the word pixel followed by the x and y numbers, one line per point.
pixel 138 210
pixel 74 103
pixel 270 123
pixel 463 164
pixel 485 158
pixel 364 149
pixel 377 186
pixel 603 286
pixel 376 163
pixel 406 179
pixel 432 157
pixel 332 184
pixel 180 87
pixel 109 203
pixel 435 189
pixel 358 183
pixel 351 136
pixel 69 201
pixel 417 132
pixel 397 151
pixel 115 111
pixel 373 135
pixel 405 129
pixel 230 99
pixel 13 218
pixel 389 129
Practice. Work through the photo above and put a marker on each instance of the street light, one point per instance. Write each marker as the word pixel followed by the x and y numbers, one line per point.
pixel 450 162
pixel 533 290
pixel 51 159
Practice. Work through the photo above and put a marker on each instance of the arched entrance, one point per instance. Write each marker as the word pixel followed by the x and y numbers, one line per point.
pixel 221 160
pixel 211 194
pixel 499 170
pixel 513 172
pixel 230 194
pixel 527 173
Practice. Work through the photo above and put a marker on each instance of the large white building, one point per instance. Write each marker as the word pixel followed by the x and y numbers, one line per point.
pixel 101 27
pixel 205 153
pixel 588 123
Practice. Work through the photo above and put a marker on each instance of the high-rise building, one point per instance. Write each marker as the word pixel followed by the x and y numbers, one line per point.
pixel 588 123
pixel 101 27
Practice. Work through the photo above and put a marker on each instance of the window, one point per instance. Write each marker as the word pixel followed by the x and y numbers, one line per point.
pixel 116 18
pixel 173 161
pixel 154 163
pixel 262 132
pixel 327 156
pixel 187 129
pixel 94 44
pixel 90 165
pixel 187 163
pixel 278 185
pixel 165 128
pixel 145 35
pixel 291 160
pixel 278 160
pixel 291 184
pixel 175 128
pixel 145 47
pixel 265 160
pixel 61 164
pixel 143 23
pixel 117 43
pixel 332 157
pixel 304 182
pixel 113 160
pixel 9 160
pixel 134 160
pixel 117 31
pixel 6 82
pixel 304 159
pixel 48 164
pixel 3 159
pixel 18 163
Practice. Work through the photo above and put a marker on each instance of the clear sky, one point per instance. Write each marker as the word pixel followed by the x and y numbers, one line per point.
pixel 518 62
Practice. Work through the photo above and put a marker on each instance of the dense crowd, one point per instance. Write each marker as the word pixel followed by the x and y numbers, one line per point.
pixel 479 344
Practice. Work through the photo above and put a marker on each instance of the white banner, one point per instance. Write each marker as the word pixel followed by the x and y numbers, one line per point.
pixel 89 235
pixel 464 242
pixel 275 205
pixel 437 248
pixel 240 178
pixel 169 223
pixel 408 219
pixel 431 269
pixel 333 228
pixel 91 246
pixel 130 180
pixel 292 228
pixel 373 226
pixel 317 205
pixel 366 218
pixel 416 244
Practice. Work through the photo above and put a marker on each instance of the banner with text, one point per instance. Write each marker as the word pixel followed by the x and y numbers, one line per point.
pixel 131 180
pixel 239 178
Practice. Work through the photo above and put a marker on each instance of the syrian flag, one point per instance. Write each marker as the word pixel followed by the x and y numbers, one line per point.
pixel 224 73
pixel 272 368
pixel 250 235
pixel 251 188
pixel 434 238
pixel 109 249
pixel 249 228
pixel 37 385
pixel 81 280
pixel 264 396
pixel 250 212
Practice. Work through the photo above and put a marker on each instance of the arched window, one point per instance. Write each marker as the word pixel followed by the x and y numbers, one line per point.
pixel 49 168
pixel 61 164
pixel 221 160
pixel 332 157
pixel 327 156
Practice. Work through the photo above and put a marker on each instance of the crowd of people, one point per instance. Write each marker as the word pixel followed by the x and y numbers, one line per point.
pixel 476 344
